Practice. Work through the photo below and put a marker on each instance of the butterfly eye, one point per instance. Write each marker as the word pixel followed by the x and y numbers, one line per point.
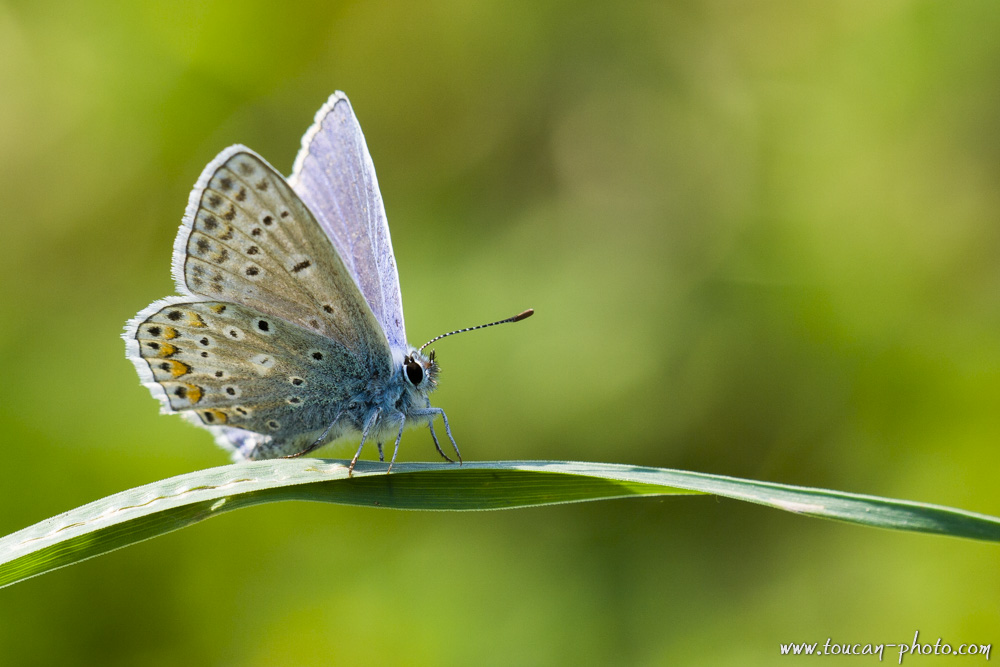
pixel 414 373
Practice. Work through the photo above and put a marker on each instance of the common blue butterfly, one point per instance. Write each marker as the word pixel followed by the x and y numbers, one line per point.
pixel 289 331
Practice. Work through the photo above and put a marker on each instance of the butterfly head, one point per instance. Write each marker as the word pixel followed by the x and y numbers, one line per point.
pixel 420 371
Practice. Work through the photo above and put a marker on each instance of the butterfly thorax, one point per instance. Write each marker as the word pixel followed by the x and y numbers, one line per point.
pixel 387 405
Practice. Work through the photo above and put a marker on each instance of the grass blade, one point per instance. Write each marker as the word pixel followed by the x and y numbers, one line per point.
pixel 155 509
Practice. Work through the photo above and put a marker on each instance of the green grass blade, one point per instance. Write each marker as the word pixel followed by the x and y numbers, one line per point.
pixel 161 507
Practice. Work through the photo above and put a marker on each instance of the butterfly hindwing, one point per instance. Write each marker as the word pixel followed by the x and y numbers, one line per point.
pixel 335 177
pixel 225 365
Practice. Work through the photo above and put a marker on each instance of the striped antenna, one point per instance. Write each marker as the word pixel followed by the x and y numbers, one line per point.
pixel 517 318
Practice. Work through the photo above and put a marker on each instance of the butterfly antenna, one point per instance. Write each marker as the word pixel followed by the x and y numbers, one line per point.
pixel 517 318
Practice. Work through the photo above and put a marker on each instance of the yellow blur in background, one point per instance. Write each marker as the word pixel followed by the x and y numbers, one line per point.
pixel 761 239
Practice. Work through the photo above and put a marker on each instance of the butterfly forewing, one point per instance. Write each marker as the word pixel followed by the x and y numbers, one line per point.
pixel 335 177
pixel 249 239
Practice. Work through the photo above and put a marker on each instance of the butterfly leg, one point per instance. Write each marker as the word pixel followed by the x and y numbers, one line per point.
pixel 437 445
pixel 432 412
pixel 395 448
pixel 372 418
pixel 318 442
pixel 447 430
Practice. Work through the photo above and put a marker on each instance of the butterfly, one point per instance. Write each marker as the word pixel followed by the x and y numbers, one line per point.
pixel 289 333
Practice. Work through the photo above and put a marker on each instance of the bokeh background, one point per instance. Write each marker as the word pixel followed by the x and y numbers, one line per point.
pixel 762 239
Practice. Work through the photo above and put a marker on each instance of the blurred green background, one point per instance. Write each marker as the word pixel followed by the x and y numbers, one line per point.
pixel 762 239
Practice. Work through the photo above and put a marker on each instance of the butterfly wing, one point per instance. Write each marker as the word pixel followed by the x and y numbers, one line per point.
pixel 248 243
pixel 233 369
pixel 335 177
pixel 248 238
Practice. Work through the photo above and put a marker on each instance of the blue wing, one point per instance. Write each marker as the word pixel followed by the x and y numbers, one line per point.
pixel 335 177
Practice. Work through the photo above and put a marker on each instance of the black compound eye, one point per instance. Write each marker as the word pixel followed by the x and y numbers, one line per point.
pixel 414 373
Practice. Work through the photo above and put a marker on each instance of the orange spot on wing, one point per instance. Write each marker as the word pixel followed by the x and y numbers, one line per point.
pixel 175 368
pixel 170 332
pixel 194 393
pixel 214 417
pixel 166 350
